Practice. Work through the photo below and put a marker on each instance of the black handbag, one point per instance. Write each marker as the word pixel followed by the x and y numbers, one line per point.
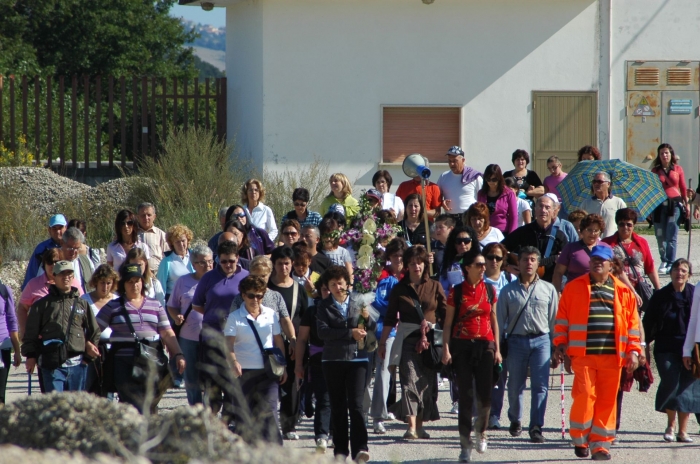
pixel 55 354
pixel 148 359
pixel 273 358
pixel 503 345
pixel 643 288
pixel 432 356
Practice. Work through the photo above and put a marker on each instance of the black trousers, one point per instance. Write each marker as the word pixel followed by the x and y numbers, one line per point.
pixel 473 364
pixel 322 414
pixel 346 389
pixel 216 380
pixel 260 394
pixel 4 373
pixel 289 398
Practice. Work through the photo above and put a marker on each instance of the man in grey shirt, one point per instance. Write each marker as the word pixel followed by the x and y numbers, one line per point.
pixel 529 342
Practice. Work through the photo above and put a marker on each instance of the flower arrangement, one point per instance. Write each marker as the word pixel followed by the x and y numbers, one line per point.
pixel 367 235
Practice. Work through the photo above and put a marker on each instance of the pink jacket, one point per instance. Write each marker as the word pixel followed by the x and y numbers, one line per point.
pixel 505 216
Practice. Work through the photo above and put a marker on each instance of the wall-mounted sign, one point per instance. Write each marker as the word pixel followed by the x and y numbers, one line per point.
pixel 680 106
pixel 643 108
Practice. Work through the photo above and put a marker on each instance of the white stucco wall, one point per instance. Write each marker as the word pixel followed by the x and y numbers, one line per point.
pixel 309 77
pixel 647 30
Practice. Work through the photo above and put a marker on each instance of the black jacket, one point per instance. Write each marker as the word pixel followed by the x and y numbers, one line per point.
pixel 656 325
pixel 336 330
pixel 48 319
pixel 533 235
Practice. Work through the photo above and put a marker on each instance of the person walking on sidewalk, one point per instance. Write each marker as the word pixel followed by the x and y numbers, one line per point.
pixel 526 311
pixel 597 327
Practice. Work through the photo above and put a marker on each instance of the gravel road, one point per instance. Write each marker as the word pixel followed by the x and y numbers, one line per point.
pixel 640 437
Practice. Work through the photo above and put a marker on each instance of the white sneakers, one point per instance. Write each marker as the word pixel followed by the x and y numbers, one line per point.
pixel 321 445
pixel 455 408
pixel 664 269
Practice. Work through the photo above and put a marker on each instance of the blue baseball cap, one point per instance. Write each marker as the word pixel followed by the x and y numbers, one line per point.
pixel 58 220
pixel 336 208
pixel 602 252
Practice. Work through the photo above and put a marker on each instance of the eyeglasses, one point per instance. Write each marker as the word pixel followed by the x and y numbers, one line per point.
pixel 226 262
pixel 290 233
pixel 496 258
pixel 71 249
pixel 128 223
pixel 299 204
pixel 255 296
pixel 207 262
pixel 239 215
pixel 463 240
pixel 592 231
pixel 598 181
pixel 625 224
pixel 479 263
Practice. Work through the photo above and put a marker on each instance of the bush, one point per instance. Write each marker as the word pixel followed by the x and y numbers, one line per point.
pixel 194 176
pixel 21 229
pixel 279 186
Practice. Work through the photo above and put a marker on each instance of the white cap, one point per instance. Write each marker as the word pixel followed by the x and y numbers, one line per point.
pixel 552 197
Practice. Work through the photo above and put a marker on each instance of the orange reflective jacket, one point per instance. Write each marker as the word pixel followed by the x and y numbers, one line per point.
pixel 571 324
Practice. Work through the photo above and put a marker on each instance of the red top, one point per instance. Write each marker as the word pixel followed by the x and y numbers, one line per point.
pixel 432 193
pixel 473 319
pixel 673 182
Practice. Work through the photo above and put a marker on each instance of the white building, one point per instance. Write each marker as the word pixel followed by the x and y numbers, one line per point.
pixel 364 82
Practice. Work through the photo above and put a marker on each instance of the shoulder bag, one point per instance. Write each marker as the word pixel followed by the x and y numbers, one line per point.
pixel 432 357
pixel 643 288
pixel 695 361
pixel 511 327
pixel 147 358
pixel 273 359
pixel 55 352
pixel 177 328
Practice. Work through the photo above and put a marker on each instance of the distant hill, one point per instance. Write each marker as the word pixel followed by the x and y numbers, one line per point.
pixel 209 36
pixel 209 48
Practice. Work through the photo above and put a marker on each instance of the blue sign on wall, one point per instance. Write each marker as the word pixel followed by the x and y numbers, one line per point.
pixel 680 106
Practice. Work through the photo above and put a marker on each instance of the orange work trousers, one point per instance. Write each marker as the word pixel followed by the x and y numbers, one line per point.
pixel 594 409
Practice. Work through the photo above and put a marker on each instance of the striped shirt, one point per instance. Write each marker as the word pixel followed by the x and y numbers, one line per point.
pixel 601 319
pixel 149 321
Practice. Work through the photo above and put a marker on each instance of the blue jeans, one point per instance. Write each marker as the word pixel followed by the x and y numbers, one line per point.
pixel 190 350
pixel 65 378
pixel 536 353
pixel 666 231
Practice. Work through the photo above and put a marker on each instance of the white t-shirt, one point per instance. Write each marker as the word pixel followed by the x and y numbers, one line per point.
pixel 391 201
pixel 117 255
pixel 262 217
pixel 523 206
pixel 107 331
pixel 462 195
pixel 494 235
pixel 246 346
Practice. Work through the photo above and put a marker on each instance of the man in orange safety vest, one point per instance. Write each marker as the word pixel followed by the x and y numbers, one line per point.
pixel 597 327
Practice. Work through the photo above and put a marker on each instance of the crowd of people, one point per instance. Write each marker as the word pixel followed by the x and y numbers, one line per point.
pixel 261 324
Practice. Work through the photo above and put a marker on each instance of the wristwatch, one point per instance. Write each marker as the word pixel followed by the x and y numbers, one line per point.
pixel 643 344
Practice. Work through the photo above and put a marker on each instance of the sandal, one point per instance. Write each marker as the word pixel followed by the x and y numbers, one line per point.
pixel 669 436
pixel 683 437
pixel 410 435
pixel 422 434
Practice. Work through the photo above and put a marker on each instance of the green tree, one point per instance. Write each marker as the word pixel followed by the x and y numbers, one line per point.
pixel 118 37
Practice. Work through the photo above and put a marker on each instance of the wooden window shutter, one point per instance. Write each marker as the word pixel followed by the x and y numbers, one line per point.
pixel 430 131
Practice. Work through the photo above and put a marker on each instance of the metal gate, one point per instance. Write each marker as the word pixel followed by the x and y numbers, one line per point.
pixel 662 107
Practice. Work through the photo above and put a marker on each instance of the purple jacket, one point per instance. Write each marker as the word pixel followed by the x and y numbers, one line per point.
pixel 505 216
pixel 8 317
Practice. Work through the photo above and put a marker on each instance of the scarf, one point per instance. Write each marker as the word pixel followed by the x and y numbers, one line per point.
pixel 470 175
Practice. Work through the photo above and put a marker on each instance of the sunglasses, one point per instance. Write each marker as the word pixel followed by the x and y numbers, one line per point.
pixel 226 262
pixel 480 264
pixel 290 234
pixel 599 181
pixel 492 180
pixel 299 205
pixel 496 258
pixel 239 215
pixel 625 224
pixel 128 223
pixel 463 241
pixel 254 296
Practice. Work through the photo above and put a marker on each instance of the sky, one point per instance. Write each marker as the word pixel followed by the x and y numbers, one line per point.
pixel 216 17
